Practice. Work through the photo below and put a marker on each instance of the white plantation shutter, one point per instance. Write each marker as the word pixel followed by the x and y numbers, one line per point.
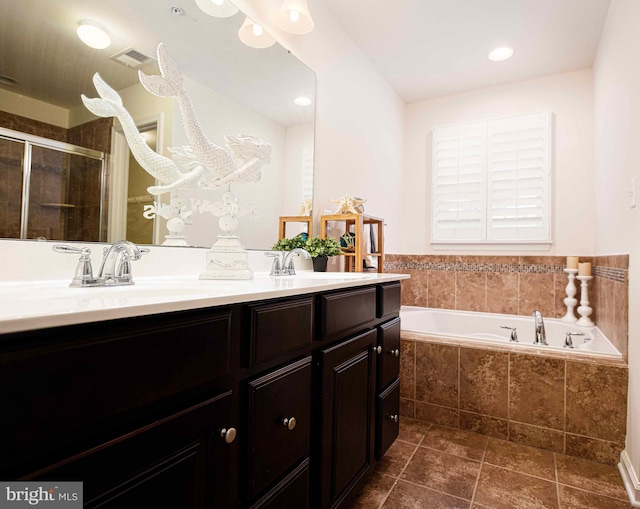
pixel 491 180
pixel 459 185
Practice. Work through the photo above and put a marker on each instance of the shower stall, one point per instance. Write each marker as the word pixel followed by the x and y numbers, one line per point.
pixel 50 190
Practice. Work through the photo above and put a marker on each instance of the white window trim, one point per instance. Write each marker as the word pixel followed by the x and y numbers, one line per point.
pixel 484 229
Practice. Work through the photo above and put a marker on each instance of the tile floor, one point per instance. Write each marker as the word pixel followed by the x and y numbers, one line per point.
pixel 433 467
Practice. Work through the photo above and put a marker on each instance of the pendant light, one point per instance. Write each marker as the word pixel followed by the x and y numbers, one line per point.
pixel 294 17
pixel 217 8
pixel 254 35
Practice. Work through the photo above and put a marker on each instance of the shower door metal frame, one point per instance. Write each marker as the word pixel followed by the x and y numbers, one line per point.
pixel 31 140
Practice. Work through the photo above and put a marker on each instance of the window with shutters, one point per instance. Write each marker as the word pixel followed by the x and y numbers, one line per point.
pixel 491 181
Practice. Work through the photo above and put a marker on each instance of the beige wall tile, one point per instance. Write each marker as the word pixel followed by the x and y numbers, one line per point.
pixel 502 293
pixel 470 291
pixel 597 401
pixel 534 436
pixel 536 391
pixel 491 426
pixel 437 374
pixel 407 369
pixel 484 379
pixel 537 291
pixel 443 416
pixel 442 289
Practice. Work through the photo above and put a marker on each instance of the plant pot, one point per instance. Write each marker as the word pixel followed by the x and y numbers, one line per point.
pixel 320 264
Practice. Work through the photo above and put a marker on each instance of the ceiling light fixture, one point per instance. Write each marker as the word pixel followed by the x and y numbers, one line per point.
pixel 500 54
pixel 93 34
pixel 217 8
pixel 254 35
pixel 294 17
pixel 302 101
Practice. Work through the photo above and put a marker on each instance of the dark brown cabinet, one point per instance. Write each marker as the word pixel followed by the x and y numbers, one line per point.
pixel 347 417
pixel 264 405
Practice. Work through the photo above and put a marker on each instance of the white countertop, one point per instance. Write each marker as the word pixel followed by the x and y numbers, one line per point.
pixel 30 305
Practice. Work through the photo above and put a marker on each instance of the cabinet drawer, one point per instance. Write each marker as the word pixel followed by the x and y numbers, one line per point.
pixel 389 299
pixel 346 312
pixel 291 492
pixel 388 418
pixel 279 328
pixel 389 358
pixel 275 440
pixel 61 381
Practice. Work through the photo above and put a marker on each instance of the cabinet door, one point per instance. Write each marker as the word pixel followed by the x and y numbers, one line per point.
pixel 180 461
pixel 348 399
pixel 389 358
pixel 388 418
pixel 279 422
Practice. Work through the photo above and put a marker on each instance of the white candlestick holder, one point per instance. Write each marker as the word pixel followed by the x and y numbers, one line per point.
pixel 570 301
pixel 584 310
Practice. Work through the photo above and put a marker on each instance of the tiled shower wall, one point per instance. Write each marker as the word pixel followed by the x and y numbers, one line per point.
pixel 561 403
pixel 81 223
pixel 516 285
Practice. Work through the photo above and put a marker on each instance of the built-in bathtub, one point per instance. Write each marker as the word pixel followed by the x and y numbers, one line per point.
pixel 460 369
pixel 495 330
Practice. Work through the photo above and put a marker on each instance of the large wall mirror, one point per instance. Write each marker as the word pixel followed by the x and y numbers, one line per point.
pixel 44 69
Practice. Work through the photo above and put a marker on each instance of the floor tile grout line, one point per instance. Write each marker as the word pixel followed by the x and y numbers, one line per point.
pixel 591 492
pixel 482 462
pixel 555 471
pixel 417 446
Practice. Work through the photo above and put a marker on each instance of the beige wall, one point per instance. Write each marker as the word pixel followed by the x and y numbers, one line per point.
pixel 617 160
pixel 568 96
pixel 359 118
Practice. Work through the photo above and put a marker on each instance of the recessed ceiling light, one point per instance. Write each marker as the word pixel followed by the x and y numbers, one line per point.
pixel 499 54
pixel 93 34
pixel 302 101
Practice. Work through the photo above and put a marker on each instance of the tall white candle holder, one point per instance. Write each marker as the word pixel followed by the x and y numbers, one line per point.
pixel 584 310
pixel 570 301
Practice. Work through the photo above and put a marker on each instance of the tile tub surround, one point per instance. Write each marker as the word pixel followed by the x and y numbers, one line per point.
pixel 433 467
pixel 516 285
pixel 568 406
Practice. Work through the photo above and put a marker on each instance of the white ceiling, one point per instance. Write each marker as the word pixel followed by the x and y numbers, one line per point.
pixel 431 48
pixel 40 50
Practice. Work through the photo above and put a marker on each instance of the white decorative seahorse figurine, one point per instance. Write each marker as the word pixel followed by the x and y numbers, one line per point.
pixel 171 84
pixel 158 166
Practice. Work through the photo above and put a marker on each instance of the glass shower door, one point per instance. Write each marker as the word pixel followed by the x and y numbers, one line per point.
pixel 64 196
pixel 11 177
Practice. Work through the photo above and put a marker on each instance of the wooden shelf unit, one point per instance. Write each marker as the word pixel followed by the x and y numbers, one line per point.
pixel 354 260
pixel 294 219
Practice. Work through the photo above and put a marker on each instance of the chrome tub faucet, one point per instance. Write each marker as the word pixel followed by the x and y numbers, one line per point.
pixel 540 334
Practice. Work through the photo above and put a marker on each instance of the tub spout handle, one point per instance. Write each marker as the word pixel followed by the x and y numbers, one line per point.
pixel 568 342
pixel 514 333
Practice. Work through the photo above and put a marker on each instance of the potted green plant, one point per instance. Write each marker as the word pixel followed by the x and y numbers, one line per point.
pixel 289 244
pixel 320 251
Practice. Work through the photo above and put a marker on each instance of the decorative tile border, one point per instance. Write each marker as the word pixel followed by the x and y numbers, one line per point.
pixel 614 274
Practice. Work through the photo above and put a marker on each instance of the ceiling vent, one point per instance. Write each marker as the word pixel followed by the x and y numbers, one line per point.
pixel 132 58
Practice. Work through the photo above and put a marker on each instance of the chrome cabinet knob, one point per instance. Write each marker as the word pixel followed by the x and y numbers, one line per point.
pixel 289 423
pixel 229 435
pixel 393 417
pixel 377 349
pixel 395 352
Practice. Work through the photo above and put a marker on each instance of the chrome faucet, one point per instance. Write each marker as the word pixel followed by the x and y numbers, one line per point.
pixel 541 336
pixel 111 273
pixel 283 261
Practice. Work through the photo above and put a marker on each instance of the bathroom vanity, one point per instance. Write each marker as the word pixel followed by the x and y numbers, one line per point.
pixel 279 396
